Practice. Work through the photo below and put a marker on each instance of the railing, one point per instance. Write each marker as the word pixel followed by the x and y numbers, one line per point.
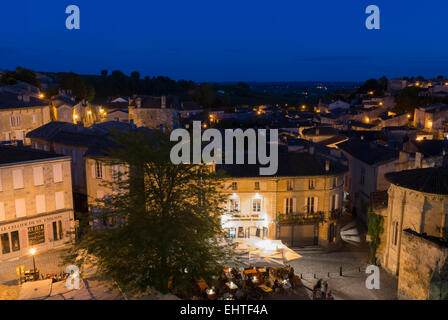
pixel 335 214
pixel 300 217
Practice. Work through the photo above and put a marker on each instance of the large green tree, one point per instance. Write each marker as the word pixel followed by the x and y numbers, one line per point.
pixel 75 83
pixel 168 219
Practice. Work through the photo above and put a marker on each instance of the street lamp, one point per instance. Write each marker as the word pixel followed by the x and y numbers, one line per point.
pixel 33 252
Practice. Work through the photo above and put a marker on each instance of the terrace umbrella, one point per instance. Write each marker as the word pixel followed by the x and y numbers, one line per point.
pixel 258 259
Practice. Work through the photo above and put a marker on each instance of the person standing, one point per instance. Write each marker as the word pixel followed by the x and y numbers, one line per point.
pixel 324 289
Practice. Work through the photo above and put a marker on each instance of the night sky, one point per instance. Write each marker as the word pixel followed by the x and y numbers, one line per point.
pixel 212 40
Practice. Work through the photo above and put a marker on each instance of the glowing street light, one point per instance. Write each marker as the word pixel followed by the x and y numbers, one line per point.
pixel 33 252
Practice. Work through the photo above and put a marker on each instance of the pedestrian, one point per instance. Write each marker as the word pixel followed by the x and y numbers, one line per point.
pixel 324 289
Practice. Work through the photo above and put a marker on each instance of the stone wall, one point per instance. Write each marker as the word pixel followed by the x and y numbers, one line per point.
pixel 419 256
pixel 153 118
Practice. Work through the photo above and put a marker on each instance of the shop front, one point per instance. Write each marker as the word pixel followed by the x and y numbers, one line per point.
pixel 238 227
pixel 41 232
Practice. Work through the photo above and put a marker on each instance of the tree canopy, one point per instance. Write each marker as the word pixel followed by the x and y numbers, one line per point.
pixel 168 218
pixel 20 74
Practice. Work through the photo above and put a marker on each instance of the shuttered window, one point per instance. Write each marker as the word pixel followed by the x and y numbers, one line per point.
pixel 20 208
pixel 59 200
pixel 38 173
pixel 2 211
pixel 40 204
pixel 57 172
pixel 17 177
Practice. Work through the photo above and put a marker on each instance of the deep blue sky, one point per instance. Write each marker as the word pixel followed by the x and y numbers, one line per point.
pixel 213 40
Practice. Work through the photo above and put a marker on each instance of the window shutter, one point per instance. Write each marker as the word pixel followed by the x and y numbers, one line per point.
pixel 336 201
pixel 59 199
pixel 2 211
pixel 17 178
pixel 294 204
pixel 103 170
pixel 20 208
pixel 92 166
pixel 38 176
pixel 316 204
pixel 285 205
pixel 40 204
pixel 57 172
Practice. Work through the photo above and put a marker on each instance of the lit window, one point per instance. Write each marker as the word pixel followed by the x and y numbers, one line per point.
pixel 311 184
pixel 234 205
pixel 98 170
pixel 256 205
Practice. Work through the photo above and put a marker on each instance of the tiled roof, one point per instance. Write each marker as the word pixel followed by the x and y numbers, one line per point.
pixel 323 131
pixel 428 180
pixel 10 154
pixel 12 101
pixel 430 148
pixel 335 139
pixel 290 165
pixel 369 153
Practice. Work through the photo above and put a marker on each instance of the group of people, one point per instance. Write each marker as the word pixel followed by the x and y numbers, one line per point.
pixel 250 284
pixel 321 291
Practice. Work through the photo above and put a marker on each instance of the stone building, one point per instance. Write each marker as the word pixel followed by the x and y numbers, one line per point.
pixel 430 117
pixel 66 108
pixel 153 112
pixel 368 162
pixel 74 140
pixel 300 205
pixel 416 228
pixel 20 114
pixel 36 204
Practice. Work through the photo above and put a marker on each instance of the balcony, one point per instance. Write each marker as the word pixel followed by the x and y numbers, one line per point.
pixel 300 217
pixel 335 214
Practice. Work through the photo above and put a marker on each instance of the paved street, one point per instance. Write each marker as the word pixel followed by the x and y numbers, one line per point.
pixel 351 286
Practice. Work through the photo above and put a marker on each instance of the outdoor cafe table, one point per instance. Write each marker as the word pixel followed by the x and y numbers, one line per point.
pixel 265 288
pixel 211 294
pixel 250 271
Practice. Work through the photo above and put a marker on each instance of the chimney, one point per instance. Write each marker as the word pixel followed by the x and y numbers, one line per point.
pixel 138 102
pixel 327 165
pixel 163 102
pixel 418 159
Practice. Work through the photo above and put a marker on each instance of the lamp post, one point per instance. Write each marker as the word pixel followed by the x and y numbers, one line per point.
pixel 33 252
